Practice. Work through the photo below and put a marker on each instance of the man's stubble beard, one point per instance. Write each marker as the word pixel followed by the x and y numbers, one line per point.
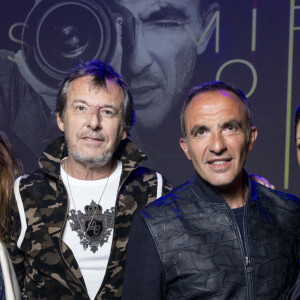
pixel 100 160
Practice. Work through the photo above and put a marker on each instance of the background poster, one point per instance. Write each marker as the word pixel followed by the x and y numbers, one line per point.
pixel 163 48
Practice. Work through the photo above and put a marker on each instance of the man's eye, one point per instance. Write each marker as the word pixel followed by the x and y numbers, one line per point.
pixel 230 127
pixel 80 109
pixel 200 132
pixel 107 113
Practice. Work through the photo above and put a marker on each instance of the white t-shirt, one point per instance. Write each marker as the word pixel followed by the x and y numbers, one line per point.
pixel 92 261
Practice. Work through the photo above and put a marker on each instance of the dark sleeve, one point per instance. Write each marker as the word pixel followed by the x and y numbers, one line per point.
pixel 2 291
pixel 144 276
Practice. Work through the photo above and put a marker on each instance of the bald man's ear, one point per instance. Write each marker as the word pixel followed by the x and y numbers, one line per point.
pixel 184 147
pixel 252 138
pixel 209 20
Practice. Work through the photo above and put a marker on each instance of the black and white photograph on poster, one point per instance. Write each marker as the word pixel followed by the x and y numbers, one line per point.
pixel 162 48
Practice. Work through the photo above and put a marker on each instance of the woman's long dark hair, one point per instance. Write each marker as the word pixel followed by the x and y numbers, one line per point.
pixel 10 168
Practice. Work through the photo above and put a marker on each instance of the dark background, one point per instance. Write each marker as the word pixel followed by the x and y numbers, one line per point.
pixel 268 102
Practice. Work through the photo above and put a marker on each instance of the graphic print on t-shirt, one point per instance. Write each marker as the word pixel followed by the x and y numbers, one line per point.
pixel 94 226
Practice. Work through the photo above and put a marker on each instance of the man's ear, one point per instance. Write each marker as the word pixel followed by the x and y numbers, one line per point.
pixel 60 123
pixel 124 134
pixel 252 138
pixel 184 147
pixel 208 23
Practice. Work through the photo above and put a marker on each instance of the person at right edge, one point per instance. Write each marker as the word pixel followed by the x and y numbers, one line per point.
pixel 296 293
pixel 220 235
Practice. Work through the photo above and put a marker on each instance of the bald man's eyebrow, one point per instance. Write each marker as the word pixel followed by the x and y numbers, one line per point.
pixel 237 124
pixel 198 129
pixel 168 12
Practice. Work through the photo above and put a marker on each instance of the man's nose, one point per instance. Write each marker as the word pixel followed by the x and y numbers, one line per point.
pixel 217 143
pixel 94 117
pixel 140 57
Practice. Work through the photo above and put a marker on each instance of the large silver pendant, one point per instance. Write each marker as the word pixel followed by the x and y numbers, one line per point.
pixel 94 227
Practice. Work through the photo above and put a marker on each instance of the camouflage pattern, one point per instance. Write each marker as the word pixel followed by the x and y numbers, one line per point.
pixel 46 267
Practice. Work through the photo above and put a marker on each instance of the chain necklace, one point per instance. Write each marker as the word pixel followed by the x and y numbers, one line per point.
pixel 84 241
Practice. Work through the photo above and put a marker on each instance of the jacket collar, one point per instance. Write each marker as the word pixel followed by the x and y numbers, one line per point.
pixel 208 193
pixel 50 160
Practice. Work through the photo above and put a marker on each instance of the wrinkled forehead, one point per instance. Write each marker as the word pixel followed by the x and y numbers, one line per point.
pixel 91 83
pixel 88 89
pixel 220 104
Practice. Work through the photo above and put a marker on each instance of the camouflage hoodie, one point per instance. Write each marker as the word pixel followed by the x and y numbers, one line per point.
pixel 46 267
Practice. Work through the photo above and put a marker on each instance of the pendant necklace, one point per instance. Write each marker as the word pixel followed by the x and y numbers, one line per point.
pixel 83 234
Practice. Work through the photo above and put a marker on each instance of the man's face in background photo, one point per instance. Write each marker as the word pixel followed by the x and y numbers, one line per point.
pixel 153 43
pixel 160 64
pixel 156 53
